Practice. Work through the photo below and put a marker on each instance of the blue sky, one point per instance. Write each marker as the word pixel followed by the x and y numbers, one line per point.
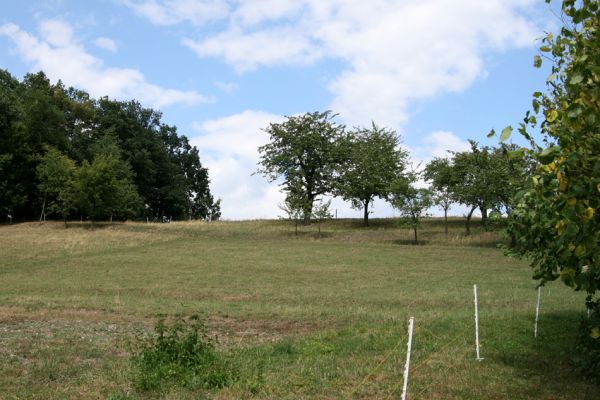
pixel 439 72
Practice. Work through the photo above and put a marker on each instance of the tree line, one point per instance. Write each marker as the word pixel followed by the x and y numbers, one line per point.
pixel 67 155
pixel 313 156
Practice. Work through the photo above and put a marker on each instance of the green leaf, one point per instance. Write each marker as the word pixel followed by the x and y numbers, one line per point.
pixel 574 111
pixel 506 132
pixel 577 78
pixel 537 61
pixel 547 155
pixel 491 134
pixel 595 334
pixel 545 49
pixel 551 115
pixel 551 78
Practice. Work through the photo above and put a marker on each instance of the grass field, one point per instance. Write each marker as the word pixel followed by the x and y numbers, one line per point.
pixel 319 316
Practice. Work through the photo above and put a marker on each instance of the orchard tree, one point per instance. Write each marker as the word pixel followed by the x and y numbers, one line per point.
pixel 411 202
pixel 293 207
pixel 322 212
pixel 478 181
pixel 373 159
pixel 440 174
pixel 304 152
pixel 556 221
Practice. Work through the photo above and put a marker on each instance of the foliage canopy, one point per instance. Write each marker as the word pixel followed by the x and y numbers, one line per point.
pixel 556 220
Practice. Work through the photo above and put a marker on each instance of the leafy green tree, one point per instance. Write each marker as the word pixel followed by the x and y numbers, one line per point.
pixel 440 174
pixel 322 212
pixel 478 180
pixel 15 151
pixel 35 114
pixel 304 152
pixel 556 220
pixel 166 169
pixel 373 160
pixel 294 208
pixel 104 187
pixel 214 212
pixel 514 170
pixel 411 202
pixel 55 176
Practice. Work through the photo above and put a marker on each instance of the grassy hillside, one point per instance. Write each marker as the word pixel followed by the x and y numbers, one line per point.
pixel 318 315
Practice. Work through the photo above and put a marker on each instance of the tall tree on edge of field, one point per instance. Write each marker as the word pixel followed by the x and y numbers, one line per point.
pixel 304 151
pixel 373 160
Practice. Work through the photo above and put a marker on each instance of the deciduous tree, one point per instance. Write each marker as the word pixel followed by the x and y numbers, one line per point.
pixel 373 160
pixel 411 202
pixel 556 221
pixel 440 174
pixel 55 174
pixel 303 151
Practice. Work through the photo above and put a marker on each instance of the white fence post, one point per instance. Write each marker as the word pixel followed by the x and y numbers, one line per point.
pixel 476 324
pixel 407 365
pixel 537 312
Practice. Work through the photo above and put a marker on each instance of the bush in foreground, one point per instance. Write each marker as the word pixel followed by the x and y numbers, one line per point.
pixel 180 354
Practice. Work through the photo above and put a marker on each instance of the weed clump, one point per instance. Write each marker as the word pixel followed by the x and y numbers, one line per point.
pixel 180 354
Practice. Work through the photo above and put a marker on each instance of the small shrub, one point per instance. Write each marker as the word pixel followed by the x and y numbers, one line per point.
pixel 179 354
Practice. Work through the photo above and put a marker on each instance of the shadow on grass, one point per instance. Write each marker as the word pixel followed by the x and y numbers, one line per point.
pixel 411 242
pixel 549 358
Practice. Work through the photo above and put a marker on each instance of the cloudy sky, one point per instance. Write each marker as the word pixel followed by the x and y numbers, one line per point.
pixel 437 71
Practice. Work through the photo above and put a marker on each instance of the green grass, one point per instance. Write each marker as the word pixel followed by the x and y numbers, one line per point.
pixel 307 316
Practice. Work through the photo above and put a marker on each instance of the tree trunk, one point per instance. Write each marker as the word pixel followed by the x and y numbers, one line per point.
pixel 308 209
pixel 469 219
pixel 446 221
pixel 415 230
pixel 513 241
pixel 43 214
pixel 366 214
pixel 484 214
pixel 296 223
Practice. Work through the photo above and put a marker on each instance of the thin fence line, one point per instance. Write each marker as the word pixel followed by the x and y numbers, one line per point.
pixel 437 381
pixel 421 363
pixel 452 364
pixel 385 359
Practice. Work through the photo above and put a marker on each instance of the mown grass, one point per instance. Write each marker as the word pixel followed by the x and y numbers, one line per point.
pixel 307 316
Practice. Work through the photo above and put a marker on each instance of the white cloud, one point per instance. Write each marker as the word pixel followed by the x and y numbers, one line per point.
pixel 106 44
pixel 229 148
pixel 56 32
pixel 60 56
pixel 170 12
pixel 248 51
pixel 395 52
pixel 441 143
pixel 227 87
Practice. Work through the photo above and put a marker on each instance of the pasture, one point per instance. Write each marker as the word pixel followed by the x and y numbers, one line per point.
pixel 313 316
